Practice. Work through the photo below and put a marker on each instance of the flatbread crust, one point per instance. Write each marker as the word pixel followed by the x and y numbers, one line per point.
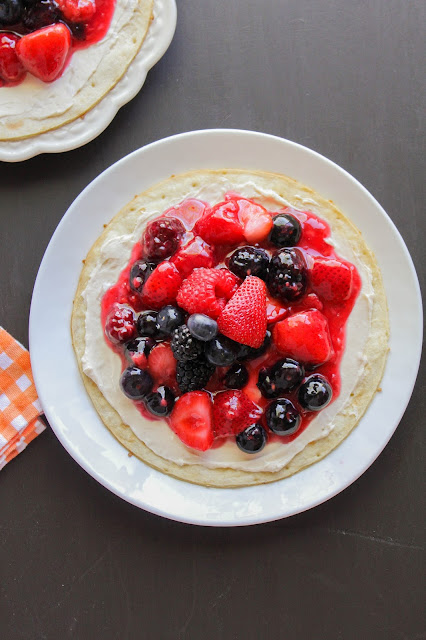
pixel 111 68
pixel 172 191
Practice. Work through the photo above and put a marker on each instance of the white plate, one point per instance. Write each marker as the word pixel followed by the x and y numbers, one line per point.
pixel 83 130
pixel 58 381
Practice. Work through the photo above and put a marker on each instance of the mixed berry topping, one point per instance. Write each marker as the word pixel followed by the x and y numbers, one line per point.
pixel 230 322
pixel 40 36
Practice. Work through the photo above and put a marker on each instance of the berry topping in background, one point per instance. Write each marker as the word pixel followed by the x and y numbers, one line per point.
pixel 138 350
pixel 248 353
pixel 282 417
pixel 192 420
pixel 331 280
pixel 287 274
pixel 221 351
pixel 120 325
pixel 139 273
pixel 147 324
pixel 221 225
pixel 184 346
pixel 244 317
pixel 193 374
pixel 255 219
pixel 41 14
pixel 161 239
pixel 162 364
pixel 252 439
pixel 281 377
pixel 11 68
pixel 169 318
pixel 45 51
pixel 202 327
pixel 162 286
pixel 136 383
pixel 236 377
pixel 207 291
pixel 77 10
pixel 305 337
pixel 249 261
pixel 286 230
pixel 197 253
pixel 233 412
pixel 315 393
pixel 188 211
pixel 161 402
pixel 10 11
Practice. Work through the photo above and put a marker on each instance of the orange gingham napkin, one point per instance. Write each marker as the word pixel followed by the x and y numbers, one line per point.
pixel 19 404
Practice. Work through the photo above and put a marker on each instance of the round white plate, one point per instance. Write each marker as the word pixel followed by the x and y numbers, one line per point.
pixel 83 130
pixel 58 381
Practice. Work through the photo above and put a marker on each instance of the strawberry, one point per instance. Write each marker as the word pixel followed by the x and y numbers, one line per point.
pixel 274 310
pixel 162 364
pixel 311 301
pixel 188 211
pixel 77 10
pixel 331 280
pixel 233 411
pixel 207 291
pixel 256 221
pixel 192 420
pixel 221 225
pixel 304 336
pixel 162 286
pixel 244 317
pixel 11 69
pixel 44 52
pixel 195 254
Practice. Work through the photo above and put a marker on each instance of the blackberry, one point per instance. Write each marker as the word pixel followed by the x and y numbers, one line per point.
pixel 287 274
pixel 184 346
pixel 193 374
pixel 249 261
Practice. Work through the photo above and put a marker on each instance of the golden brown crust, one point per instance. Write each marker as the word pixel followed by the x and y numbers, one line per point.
pixel 376 347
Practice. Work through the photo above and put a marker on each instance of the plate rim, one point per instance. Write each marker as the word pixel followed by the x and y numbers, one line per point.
pixel 246 520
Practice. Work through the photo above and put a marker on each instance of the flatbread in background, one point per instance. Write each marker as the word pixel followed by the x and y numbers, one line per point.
pixel 34 107
pixel 173 191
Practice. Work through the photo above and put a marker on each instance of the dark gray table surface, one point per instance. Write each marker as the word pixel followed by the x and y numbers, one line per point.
pixel 346 79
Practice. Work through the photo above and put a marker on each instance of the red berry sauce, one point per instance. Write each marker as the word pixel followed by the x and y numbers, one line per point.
pixel 313 244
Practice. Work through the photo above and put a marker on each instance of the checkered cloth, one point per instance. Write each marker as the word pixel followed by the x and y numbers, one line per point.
pixel 19 405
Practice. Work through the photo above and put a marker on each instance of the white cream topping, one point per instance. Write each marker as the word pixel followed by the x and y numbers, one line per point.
pixel 40 100
pixel 104 367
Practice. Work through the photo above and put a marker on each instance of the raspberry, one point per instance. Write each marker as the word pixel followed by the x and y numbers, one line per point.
pixel 207 291
pixel 161 239
pixel 120 325
pixel 184 345
pixel 194 374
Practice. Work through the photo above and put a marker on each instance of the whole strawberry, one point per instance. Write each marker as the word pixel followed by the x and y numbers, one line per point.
pixel 244 317
pixel 162 286
pixel 331 280
pixel 44 52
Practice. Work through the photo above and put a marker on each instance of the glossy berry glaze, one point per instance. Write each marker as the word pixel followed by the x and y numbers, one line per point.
pixel 317 307
pixel 86 22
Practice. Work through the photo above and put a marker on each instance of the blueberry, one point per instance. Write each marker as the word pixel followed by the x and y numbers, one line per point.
pixel 202 327
pixel 282 417
pixel 236 377
pixel 170 318
pixel 287 277
pixel 252 439
pixel 249 261
pixel 161 402
pixel 282 376
pixel 250 353
pixel 221 351
pixel 137 347
pixel 286 230
pixel 147 324
pixel 136 383
pixel 10 12
pixel 139 274
pixel 315 393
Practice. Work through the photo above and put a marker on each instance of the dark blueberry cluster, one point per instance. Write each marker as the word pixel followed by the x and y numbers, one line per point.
pixel 193 374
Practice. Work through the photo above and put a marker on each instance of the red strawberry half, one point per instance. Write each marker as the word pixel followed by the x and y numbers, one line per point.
pixel 162 364
pixel 162 285
pixel 256 221
pixel 77 10
pixel 11 69
pixel 233 411
pixel 194 255
pixel 304 336
pixel 244 317
pixel 44 52
pixel 192 420
pixel 331 280
pixel 207 291
pixel 221 224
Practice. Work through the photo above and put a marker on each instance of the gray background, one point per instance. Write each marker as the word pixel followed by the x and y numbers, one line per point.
pixel 345 78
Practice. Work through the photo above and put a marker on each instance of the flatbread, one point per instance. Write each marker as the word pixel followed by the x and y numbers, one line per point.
pixel 193 184
pixel 34 107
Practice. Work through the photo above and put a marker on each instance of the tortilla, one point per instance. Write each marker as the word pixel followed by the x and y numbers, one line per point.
pixel 197 184
pixel 34 107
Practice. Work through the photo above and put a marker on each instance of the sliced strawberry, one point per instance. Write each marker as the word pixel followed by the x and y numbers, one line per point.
pixel 244 317
pixel 77 10
pixel 304 336
pixel 195 254
pixel 221 224
pixel 11 68
pixel 274 310
pixel 207 291
pixel 162 364
pixel 44 52
pixel 233 411
pixel 331 280
pixel 162 286
pixel 311 301
pixel 192 420
pixel 188 211
pixel 256 220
